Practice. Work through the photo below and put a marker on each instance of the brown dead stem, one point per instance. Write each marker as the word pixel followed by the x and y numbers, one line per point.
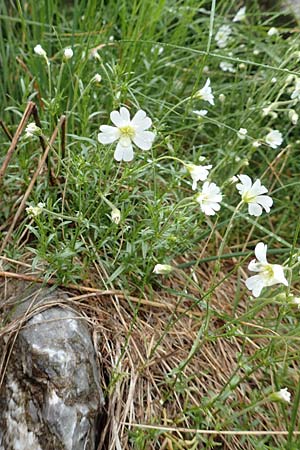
pixel 32 182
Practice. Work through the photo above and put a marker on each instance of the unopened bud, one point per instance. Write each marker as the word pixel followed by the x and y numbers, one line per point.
pixel 162 269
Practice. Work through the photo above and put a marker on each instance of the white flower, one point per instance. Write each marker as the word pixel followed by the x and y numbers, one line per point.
pixel 97 78
pixel 296 92
pixel 256 144
pixel 268 274
pixel 115 215
pixel 222 36
pixel 32 130
pixel 206 93
pixel 274 138
pixel 273 80
pixel 240 15
pixel 209 198
pixel 127 131
pixel 198 173
pixel 252 195
pixel 38 49
pixel 242 133
pixel 162 269
pixel 227 67
pixel 273 31
pixel 201 112
pixel 281 396
pixel 68 53
pixel 34 211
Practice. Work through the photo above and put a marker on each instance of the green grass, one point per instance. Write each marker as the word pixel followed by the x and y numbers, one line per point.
pixel 155 55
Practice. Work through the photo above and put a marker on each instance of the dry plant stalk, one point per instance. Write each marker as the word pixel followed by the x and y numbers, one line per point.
pixel 27 113
pixel 32 182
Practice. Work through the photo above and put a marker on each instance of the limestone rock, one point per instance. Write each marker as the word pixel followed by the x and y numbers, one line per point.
pixel 50 398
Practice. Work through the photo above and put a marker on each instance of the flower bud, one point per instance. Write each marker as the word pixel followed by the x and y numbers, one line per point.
pixel 115 215
pixel 241 134
pixel 281 396
pixel 162 269
pixel 38 49
pixel 293 116
pixel 32 130
pixel 97 78
pixel 68 53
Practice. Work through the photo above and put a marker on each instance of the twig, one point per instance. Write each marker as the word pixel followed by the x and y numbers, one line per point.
pixel 219 432
pixel 31 184
pixel 22 124
pixel 98 292
pixel 6 130
pixel 63 139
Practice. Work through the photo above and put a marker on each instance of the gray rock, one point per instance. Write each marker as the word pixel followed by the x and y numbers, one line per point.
pixel 292 6
pixel 51 398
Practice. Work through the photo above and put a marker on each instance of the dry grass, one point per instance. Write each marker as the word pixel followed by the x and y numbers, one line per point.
pixel 140 346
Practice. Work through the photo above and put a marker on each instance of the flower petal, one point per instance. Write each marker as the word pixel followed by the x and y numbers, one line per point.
pixel 108 134
pixel 279 275
pixel 123 153
pixel 144 139
pixel 265 201
pixel 261 252
pixel 255 284
pixel 116 118
pixel 140 121
pixel 245 185
pixel 254 209
pixel 258 188
pixel 125 115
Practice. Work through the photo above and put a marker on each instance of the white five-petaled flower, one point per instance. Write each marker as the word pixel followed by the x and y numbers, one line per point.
pixel 240 15
pixel 127 131
pixel 267 274
pixel 281 396
pixel 201 112
pixel 274 138
pixel 252 194
pixel 32 130
pixel 222 36
pixel 209 198
pixel 34 211
pixel 38 49
pixel 198 173
pixel 68 53
pixel 227 67
pixel 296 91
pixel 205 93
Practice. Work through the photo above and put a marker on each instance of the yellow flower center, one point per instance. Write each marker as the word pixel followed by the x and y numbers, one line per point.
pixel 268 271
pixel 127 131
pixel 247 197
